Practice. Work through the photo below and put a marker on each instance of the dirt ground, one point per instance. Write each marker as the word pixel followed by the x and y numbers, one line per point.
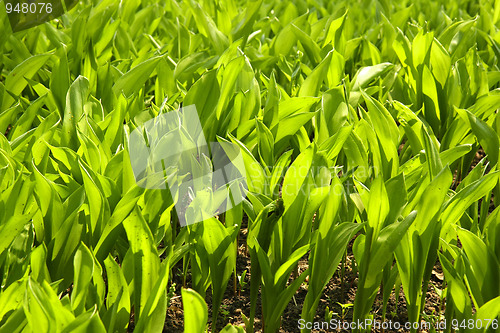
pixel 338 291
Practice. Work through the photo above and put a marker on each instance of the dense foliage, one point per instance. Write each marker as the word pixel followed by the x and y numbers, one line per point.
pixel 356 120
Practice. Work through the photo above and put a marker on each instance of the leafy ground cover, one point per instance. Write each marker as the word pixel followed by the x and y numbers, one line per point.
pixel 369 135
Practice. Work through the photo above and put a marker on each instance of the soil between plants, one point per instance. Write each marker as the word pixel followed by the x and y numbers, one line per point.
pixel 338 291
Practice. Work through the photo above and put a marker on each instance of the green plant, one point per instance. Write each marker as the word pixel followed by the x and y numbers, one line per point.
pixel 345 308
pixel 242 282
pixel 329 314
pixel 374 120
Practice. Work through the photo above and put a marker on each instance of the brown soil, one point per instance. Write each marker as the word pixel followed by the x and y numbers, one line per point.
pixel 337 291
pixel 480 154
pixel 9 128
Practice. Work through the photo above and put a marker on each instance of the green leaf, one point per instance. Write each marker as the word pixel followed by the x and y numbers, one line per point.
pixel 432 199
pixel 487 313
pixel 311 48
pixel 75 100
pixel 118 296
pixel 12 297
pixel 333 114
pixel 153 317
pixel 484 267
pixel 384 247
pixel 296 176
pixel 195 311
pixel 217 242
pixel 60 80
pixel 230 75
pixel 266 143
pixel 189 64
pixel 146 263
pixel 367 74
pixel 314 81
pixel 25 122
pixel 15 82
pixel 135 78
pixel 456 287
pixel 457 205
pixel 377 206
pixel 98 205
pixel 232 329
pixel 12 227
pixel 86 322
pixel 486 136
pixel 278 170
pixel 43 308
pixel 84 268
pixel 204 94
pixel 208 28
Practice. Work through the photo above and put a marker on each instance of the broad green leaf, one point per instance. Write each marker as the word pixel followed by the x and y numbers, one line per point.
pixel 314 81
pixel 146 263
pixel 385 245
pixel 229 78
pixel 311 48
pixel 217 242
pixel 84 268
pixel 15 82
pixel 75 99
pixel 208 28
pixel 367 74
pixel 86 322
pixel 12 297
pixel 153 317
pixel 118 293
pixel 60 80
pixel 457 205
pixel 432 199
pixel 484 267
pixel 266 144
pixel 377 206
pixel 487 313
pixel 232 329
pixel 25 122
pixel 195 311
pixel 296 176
pixel 135 78
pixel 485 134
